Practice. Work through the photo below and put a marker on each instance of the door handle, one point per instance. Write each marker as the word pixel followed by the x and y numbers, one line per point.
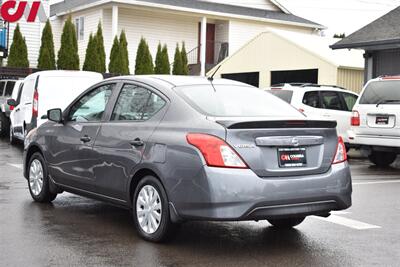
pixel 137 142
pixel 86 139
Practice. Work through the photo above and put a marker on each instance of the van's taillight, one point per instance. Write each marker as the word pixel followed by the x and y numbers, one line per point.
pixel 341 155
pixel 216 152
pixel 355 118
pixel 35 106
pixel 11 108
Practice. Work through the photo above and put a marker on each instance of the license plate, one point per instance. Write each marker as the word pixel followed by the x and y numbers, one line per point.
pixel 382 120
pixel 292 157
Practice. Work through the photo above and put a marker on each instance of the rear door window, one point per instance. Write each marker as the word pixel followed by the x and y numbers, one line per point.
pixel 331 100
pixel 312 99
pixel 2 84
pixel 9 88
pixel 285 95
pixel 350 100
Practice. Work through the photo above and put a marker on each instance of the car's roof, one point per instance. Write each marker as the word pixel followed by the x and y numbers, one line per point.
pixel 177 81
pixel 66 73
pixel 310 87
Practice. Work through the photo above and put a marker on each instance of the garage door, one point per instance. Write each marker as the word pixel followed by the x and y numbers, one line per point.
pixel 387 62
pixel 252 78
pixel 294 76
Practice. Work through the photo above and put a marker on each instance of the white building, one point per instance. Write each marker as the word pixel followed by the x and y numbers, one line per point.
pixel 224 26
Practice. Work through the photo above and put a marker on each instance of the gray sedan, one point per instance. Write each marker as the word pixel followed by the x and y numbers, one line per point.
pixel 173 149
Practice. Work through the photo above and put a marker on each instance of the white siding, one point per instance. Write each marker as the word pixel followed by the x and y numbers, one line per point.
pixel 241 32
pixel 32 31
pixel 91 17
pixel 260 4
pixel 156 27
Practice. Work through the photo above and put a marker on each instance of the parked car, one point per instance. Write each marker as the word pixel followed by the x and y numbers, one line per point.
pixel 375 124
pixel 174 148
pixel 42 91
pixel 320 102
pixel 6 90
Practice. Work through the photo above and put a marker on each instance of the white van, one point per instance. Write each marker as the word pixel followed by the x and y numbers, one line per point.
pixel 43 91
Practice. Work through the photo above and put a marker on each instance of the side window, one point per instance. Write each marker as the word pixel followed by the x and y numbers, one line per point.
pixel 2 84
pixel 9 88
pixel 350 100
pixel 331 100
pixel 19 93
pixel 91 107
pixel 136 104
pixel 312 99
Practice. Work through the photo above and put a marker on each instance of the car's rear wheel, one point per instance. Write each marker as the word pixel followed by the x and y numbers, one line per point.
pixel 4 124
pixel 382 159
pixel 38 180
pixel 287 222
pixel 150 210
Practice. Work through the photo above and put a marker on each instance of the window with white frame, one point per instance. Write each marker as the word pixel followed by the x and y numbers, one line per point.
pixel 80 28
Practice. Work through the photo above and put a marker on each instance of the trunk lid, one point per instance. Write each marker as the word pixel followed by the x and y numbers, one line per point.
pixel 281 148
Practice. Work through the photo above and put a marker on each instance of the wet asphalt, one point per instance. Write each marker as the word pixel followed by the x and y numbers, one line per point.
pixel 76 231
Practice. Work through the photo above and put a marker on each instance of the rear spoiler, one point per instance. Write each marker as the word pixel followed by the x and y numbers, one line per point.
pixel 230 124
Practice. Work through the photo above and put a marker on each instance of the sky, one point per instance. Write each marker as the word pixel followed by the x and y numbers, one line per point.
pixel 340 16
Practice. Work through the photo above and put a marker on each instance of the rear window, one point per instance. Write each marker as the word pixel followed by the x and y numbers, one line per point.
pixel 381 92
pixel 235 101
pixel 285 95
pixel 9 88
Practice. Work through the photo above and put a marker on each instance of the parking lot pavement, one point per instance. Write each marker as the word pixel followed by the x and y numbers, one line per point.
pixel 79 231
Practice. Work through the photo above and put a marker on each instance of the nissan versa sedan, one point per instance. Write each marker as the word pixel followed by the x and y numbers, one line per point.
pixel 173 149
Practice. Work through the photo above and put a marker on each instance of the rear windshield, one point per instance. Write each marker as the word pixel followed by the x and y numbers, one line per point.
pixel 285 95
pixel 381 92
pixel 235 101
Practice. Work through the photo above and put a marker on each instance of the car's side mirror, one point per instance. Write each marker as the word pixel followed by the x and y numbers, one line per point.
pixel 11 102
pixel 55 115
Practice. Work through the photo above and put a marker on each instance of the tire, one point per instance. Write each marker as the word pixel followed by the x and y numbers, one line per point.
pixel 38 175
pixel 13 140
pixel 286 223
pixel 159 211
pixel 382 159
pixel 4 124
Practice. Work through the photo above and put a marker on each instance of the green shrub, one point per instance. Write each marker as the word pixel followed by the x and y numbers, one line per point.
pixel 115 59
pixel 178 64
pixel 144 60
pixel 162 60
pixel 185 66
pixel 47 58
pixel 68 58
pixel 123 54
pixel 18 56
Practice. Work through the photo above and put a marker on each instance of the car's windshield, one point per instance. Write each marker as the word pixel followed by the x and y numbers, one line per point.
pixel 235 101
pixel 285 95
pixel 381 92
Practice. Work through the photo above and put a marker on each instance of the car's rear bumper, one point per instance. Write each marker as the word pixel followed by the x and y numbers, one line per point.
pixel 358 140
pixel 234 194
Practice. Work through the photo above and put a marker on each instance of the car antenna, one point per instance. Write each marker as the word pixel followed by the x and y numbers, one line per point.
pixel 211 79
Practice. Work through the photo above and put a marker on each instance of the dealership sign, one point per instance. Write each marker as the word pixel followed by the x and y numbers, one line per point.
pixel 13 11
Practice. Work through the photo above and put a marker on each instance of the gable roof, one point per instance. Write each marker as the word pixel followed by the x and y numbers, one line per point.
pixel 200 6
pixel 383 31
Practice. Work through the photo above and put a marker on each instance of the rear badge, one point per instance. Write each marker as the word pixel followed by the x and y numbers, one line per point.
pixel 244 146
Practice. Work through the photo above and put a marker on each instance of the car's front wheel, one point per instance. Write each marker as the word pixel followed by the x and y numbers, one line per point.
pixel 287 222
pixel 382 159
pixel 38 180
pixel 150 210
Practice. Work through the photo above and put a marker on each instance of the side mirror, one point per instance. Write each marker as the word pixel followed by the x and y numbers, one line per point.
pixel 11 102
pixel 55 115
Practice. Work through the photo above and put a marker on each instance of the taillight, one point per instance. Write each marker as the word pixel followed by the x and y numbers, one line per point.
pixel 216 152
pixel 35 106
pixel 301 110
pixel 341 155
pixel 11 108
pixel 355 118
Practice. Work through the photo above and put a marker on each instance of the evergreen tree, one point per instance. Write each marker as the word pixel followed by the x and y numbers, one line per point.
pixel 123 54
pixel 101 53
pixel 18 56
pixel 178 66
pixel 47 58
pixel 165 57
pixel 185 66
pixel 115 60
pixel 91 56
pixel 144 60
pixel 68 58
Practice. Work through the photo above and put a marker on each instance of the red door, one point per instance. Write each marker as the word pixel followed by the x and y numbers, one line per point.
pixel 210 40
